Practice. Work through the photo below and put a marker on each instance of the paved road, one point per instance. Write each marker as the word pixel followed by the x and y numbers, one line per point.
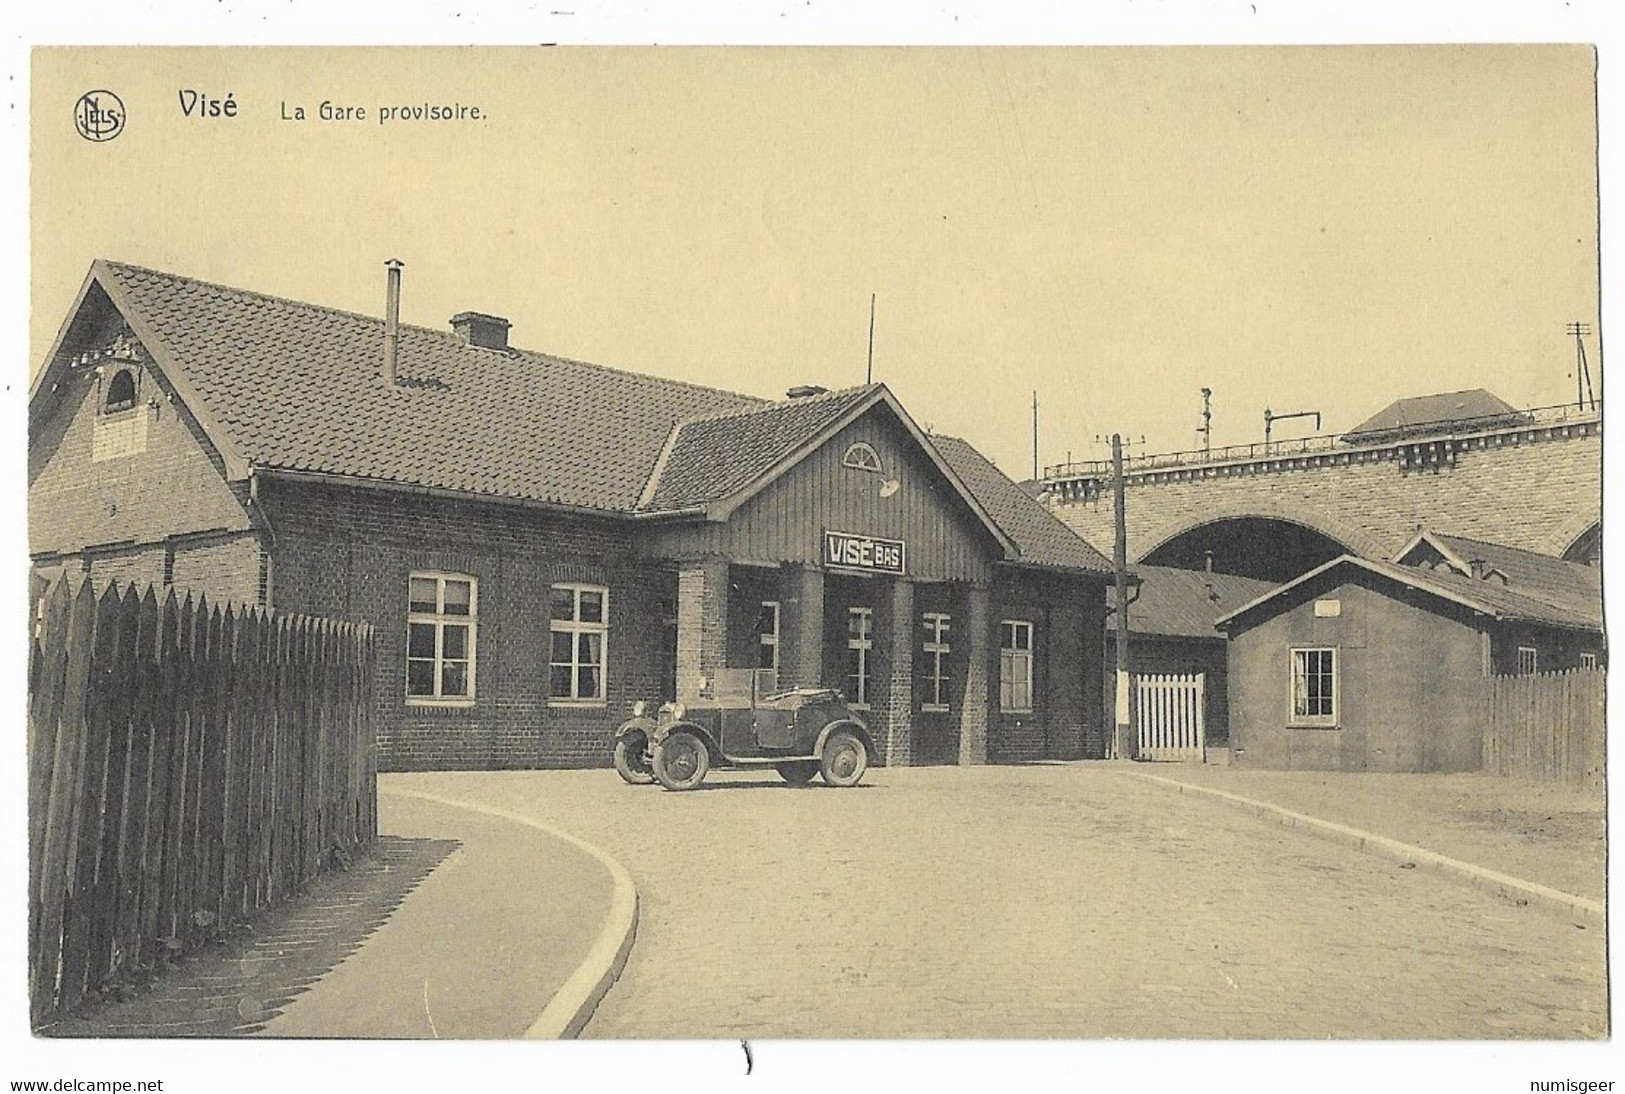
pixel 1064 901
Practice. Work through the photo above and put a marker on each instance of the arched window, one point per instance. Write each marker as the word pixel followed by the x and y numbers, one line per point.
pixel 120 391
pixel 862 457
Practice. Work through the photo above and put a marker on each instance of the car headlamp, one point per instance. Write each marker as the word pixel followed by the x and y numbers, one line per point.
pixel 638 708
pixel 678 710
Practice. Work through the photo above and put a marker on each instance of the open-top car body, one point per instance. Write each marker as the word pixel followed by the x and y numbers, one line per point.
pixel 801 733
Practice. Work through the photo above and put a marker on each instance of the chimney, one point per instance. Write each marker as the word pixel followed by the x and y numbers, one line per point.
pixel 805 391
pixel 479 329
pixel 392 319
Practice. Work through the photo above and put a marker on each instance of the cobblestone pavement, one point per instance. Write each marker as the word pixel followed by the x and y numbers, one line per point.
pixel 1547 833
pixel 1051 901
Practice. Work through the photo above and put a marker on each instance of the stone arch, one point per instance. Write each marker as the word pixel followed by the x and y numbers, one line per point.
pixel 1357 540
pixel 1241 531
pixel 1584 545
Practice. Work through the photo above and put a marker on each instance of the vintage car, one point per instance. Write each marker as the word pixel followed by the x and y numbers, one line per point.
pixel 800 733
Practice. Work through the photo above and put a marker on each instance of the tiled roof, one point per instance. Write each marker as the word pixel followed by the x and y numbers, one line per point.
pixel 1406 416
pixel 712 458
pixel 1040 536
pixel 1568 586
pixel 1486 595
pixel 299 387
pixel 1184 603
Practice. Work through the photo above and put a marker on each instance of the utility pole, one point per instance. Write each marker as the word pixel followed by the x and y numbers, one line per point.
pixel 1035 436
pixel 1582 370
pixel 869 378
pixel 1127 738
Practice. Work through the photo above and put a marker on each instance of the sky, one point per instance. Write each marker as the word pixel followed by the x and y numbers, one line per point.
pixel 1113 229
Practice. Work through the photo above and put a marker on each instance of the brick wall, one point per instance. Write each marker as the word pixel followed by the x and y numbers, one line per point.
pixel 1068 648
pixel 349 554
pixel 165 481
pixel 1539 494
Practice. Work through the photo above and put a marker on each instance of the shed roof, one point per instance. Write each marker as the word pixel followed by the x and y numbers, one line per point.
pixel 1487 596
pixel 1177 603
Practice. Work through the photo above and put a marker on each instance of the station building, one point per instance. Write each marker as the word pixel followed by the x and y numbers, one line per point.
pixel 541 542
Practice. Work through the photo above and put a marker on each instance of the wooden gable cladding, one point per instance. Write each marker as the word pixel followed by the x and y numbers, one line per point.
pixel 786 520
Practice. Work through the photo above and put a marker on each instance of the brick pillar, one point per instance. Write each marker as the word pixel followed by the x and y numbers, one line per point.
pixel 801 622
pixel 894 681
pixel 702 627
pixel 981 676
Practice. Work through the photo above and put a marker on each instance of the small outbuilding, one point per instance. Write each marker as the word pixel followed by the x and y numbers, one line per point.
pixel 1171 632
pixel 1384 666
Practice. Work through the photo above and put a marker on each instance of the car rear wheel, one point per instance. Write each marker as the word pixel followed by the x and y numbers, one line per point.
pixel 844 760
pixel 632 760
pixel 680 761
pixel 798 772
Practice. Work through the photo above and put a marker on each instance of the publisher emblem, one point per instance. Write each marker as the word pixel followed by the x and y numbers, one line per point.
pixel 98 115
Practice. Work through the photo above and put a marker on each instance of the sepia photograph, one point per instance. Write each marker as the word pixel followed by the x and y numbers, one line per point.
pixel 773 557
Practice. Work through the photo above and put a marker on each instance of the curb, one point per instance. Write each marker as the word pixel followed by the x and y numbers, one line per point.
pixel 573 1004
pixel 1511 888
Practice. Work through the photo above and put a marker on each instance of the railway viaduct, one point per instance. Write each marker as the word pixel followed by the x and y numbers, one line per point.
pixel 1530 479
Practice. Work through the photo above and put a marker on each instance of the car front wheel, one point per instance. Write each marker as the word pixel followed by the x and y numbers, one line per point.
pixel 680 761
pixel 632 760
pixel 844 760
pixel 798 772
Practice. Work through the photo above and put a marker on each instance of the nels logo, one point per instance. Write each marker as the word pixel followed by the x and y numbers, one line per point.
pixel 98 115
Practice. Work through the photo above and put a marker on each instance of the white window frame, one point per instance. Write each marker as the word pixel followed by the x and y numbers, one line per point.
pixel 770 639
pixel 1533 660
pixel 1318 721
pixel 1588 660
pixel 577 629
pixel 936 648
pixel 861 643
pixel 440 620
pixel 1016 667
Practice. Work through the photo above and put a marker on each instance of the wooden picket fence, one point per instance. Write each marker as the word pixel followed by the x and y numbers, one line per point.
pixel 188 765
pixel 1547 727
pixel 1171 714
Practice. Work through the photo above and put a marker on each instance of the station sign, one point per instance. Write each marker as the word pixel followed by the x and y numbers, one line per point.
pixel 855 552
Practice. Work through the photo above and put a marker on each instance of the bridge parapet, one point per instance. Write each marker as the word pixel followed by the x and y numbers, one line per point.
pixel 1418 446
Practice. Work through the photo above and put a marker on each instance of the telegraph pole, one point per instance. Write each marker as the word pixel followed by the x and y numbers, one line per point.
pixel 1126 736
pixel 869 376
pixel 1582 371
pixel 1035 436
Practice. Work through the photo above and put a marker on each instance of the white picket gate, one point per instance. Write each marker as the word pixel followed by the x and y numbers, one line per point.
pixel 1171 716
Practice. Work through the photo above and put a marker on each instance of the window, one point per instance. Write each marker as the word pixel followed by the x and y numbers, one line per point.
pixel 861 456
pixel 1015 666
pixel 440 638
pixel 934 695
pixel 860 629
pixel 767 636
pixel 1528 659
pixel 1588 660
pixel 580 624
pixel 1314 687
pixel 120 392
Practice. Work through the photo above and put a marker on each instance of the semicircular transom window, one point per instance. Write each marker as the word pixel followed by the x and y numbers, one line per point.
pixel 861 456
pixel 120 391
